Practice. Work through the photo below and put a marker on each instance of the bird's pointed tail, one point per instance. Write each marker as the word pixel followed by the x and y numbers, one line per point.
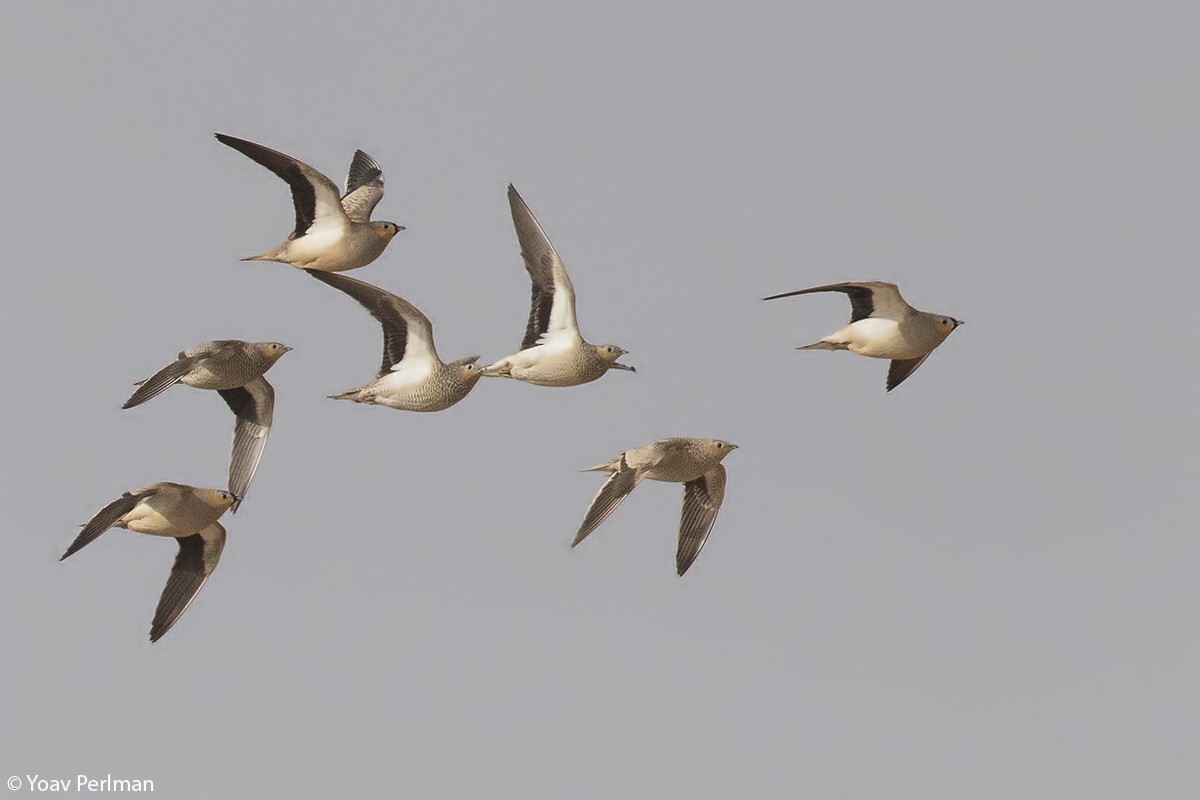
pixel 611 466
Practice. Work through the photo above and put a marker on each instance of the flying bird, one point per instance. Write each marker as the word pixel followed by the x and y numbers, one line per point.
pixel 184 512
pixel 696 463
pixel 412 377
pixel 882 325
pixel 553 353
pixel 333 233
pixel 234 369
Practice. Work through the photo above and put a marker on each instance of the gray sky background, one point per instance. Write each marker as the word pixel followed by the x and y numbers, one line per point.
pixel 982 585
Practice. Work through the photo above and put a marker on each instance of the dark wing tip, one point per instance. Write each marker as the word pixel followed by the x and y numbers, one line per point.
pixel 898 371
pixel 364 171
pixel 620 483
pixel 187 578
pixel 795 292
pixel 702 498
pixel 380 304
pixel 104 519
pixel 160 381
pixel 301 178
pixel 233 141
pixel 241 145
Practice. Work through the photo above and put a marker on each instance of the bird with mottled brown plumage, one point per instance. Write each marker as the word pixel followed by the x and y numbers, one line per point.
pixel 234 369
pixel 696 463
pixel 411 377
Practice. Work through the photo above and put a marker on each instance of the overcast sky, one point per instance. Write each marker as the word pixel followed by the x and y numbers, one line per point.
pixel 981 585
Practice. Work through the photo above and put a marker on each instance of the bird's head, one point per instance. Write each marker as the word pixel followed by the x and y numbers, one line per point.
pixel 386 230
pixel 217 498
pixel 468 371
pixel 272 351
pixel 946 325
pixel 718 448
pixel 609 353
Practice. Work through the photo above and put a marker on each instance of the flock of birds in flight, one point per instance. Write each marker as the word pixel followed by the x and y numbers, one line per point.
pixel 334 233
